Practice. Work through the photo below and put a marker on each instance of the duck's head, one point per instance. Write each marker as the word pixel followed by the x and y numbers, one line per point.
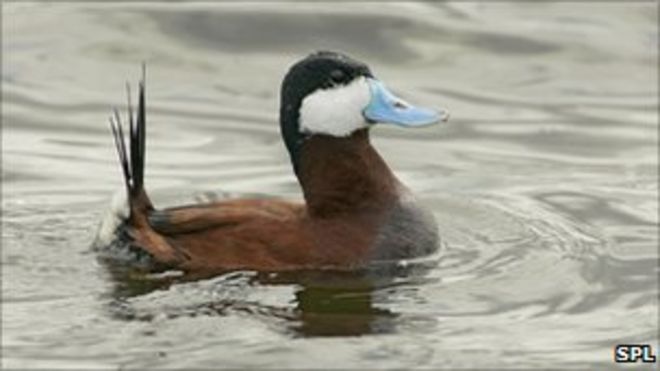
pixel 331 94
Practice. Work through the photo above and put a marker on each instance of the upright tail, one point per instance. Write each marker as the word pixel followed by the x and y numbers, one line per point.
pixel 132 156
pixel 132 160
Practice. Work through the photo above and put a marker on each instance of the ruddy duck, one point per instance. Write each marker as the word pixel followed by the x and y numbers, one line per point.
pixel 356 211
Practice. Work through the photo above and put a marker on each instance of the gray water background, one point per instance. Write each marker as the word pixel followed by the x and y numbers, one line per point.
pixel 544 182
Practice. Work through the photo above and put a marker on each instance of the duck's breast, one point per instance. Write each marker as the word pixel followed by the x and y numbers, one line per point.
pixel 407 230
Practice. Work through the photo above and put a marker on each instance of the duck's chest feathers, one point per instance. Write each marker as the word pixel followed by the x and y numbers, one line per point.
pixel 407 230
pixel 355 200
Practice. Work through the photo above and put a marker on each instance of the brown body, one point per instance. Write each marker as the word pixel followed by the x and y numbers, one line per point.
pixel 349 193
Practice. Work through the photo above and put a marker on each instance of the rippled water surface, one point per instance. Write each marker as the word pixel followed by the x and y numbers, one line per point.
pixel 544 183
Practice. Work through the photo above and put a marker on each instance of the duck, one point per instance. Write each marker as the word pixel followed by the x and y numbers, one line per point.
pixel 355 211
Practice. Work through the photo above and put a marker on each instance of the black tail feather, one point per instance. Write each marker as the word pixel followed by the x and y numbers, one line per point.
pixel 140 137
pixel 129 105
pixel 132 162
pixel 118 134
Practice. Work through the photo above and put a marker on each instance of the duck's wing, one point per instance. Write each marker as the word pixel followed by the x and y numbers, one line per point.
pixel 196 218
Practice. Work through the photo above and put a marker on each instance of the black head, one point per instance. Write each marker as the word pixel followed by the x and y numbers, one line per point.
pixel 331 94
pixel 318 71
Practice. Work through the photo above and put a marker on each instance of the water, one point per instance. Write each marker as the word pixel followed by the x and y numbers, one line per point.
pixel 544 183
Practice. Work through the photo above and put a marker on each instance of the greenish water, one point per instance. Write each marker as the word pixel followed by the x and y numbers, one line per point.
pixel 544 183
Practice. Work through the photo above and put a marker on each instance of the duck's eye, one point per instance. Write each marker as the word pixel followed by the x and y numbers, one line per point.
pixel 337 76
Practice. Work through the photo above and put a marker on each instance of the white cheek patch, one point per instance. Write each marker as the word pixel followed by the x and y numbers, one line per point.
pixel 336 111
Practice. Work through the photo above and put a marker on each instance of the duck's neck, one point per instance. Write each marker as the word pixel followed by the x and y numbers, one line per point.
pixel 344 175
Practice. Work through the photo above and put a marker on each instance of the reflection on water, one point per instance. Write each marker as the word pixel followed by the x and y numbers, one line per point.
pixel 341 312
pixel 544 184
pixel 325 303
